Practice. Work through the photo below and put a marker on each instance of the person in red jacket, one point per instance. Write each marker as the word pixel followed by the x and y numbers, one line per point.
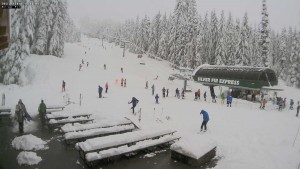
pixel 122 81
pixel 106 87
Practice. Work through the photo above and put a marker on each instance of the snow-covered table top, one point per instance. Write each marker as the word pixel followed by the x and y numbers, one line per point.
pixel 97 131
pixel 120 139
pixel 102 124
pixel 194 147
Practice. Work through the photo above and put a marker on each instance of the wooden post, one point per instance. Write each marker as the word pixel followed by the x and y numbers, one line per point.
pixel 3 99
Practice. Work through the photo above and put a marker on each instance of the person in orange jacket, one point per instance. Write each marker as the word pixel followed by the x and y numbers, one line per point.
pixel 106 87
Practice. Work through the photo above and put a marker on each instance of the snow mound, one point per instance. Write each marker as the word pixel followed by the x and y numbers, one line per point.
pixel 28 158
pixel 29 142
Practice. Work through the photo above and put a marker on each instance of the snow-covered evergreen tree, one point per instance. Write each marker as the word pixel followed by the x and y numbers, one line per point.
pixel 155 34
pixel 264 36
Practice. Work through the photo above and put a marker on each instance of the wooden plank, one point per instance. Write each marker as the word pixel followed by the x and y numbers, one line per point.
pixel 56 125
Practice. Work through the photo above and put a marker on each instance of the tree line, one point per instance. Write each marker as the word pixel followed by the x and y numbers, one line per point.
pixel 40 27
pixel 187 39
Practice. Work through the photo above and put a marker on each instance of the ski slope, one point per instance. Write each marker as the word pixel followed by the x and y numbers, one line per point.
pixel 246 137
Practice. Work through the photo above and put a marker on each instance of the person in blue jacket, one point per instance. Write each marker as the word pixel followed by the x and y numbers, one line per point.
pixel 100 89
pixel 134 102
pixel 229 100
pixel 205 119
pixel 156 98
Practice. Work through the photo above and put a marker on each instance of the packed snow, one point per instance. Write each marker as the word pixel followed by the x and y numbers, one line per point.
pixel 246 136
pixel 29 142
pixel 28 158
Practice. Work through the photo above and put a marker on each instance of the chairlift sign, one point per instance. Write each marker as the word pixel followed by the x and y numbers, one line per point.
pixel 219 81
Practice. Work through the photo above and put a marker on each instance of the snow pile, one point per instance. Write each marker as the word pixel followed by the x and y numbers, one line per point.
pixel 28 158
pixel 29 142
pixel 194 147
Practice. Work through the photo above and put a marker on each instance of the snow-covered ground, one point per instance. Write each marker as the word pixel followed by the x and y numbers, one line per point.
pixel 246 137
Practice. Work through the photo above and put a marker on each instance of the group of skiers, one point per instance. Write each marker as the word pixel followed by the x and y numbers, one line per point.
pixel 82 63
pixel 100 89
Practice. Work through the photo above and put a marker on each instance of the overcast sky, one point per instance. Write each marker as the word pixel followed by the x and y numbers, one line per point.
pixel 282 13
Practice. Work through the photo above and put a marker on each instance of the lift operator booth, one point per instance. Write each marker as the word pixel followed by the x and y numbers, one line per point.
pixel 243 80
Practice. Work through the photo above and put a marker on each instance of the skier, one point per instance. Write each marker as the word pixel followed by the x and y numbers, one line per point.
pixel 204 95
pixel 82 61
pixel 121 69
pixel 263 103
pixel 100 89
pixel 146 85
pixel 104 66
pixel 198 94
pixel 152 87
pixel 106 87
pixel 156 98
pixel 213 96
pixel 182 94
pixel 21 114
pixel 164 92
pixel 222 98
pixel 80 67
pixel 122 81
pixel 229 100
pixel 292 104
pixel 280 104
pixel 284 102
pixel 167 92
pixel 253 97
pixel 177 93
pixel 134 102
pixel 63 86
pixel 298 108
pixel 125 83
pixel 42 110
pixel 87 64
pixel 156 77
pixel 205 120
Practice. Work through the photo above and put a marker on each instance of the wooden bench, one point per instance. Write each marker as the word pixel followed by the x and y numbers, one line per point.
pixel 72 137
pixel 68 128
pixel 57 123
pixel 62 116
pixel 104 143
pixel 5 111
pixel 93 158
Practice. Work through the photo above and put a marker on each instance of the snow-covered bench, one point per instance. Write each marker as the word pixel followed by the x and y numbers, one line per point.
pixel 94 157
pixel 55 107
pixel 114 141
pixel 5 111
pixel 103 124
pixel 59 116
pixel 71 137
pixel 53 123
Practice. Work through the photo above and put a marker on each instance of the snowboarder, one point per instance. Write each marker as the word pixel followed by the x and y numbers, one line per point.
pixel 298 109
pixel 122 81
pixel 106 87
pixel 182 94
pixel 146 85
pixel 21 115
pixel 87 64
pixel 156 98
pixel 134 102
pixel 63 86
pixel 152 87
pixel 164 92
pixel 222 98
pixel 42 109
pixel 100 89
pixel 167 92
pixel 80 67
pixel 204 95
pixel 292 104
pixel 121 69
pixel 125 83
pixel 177 93
pixel 205 120
pixel 104 66
pixel 229 100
